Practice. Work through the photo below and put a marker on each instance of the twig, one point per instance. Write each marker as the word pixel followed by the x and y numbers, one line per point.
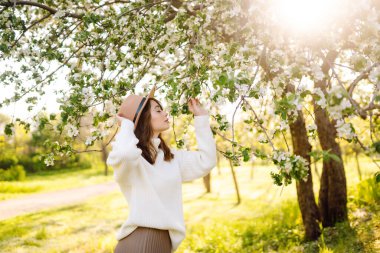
pixel 233 123
pixel 48 76
pixel 258 121
pixel 39 5
pixel 365 149
pixel 359 110
pixel 363 75
pixel 97 150
pixel 33 24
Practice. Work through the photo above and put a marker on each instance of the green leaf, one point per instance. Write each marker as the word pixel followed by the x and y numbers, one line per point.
pixel 327 156
pixel 180 143
pixel 246 155
pixel 376 145
pixel 277 178
pixel 334 157
pixel 223 79
pixel 8 130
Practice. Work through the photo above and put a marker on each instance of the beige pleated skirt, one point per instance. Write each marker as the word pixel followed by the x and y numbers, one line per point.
pixel 145 240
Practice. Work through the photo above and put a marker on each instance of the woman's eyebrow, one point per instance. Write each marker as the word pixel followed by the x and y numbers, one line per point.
pixel 157 106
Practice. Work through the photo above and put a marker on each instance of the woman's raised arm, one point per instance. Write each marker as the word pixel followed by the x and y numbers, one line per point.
pixel 196 164
pixel 125 154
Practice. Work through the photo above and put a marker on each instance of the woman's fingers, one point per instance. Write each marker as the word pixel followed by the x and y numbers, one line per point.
pixel 194 105
pixel 192 102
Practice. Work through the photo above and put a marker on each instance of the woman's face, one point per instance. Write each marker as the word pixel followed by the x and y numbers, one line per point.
pixel 159 118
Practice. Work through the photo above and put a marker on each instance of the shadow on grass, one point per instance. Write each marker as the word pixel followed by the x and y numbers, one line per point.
pixel 16 227
pixel 341 238
pixel 55 172
pixel 277 230
pixel 282 231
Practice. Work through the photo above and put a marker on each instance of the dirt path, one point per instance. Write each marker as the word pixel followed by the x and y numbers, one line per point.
pixel 36 202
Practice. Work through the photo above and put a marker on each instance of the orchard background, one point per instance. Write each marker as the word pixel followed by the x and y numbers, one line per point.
pixel 293 92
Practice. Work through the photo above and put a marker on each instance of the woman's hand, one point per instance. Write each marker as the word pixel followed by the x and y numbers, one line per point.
pixel 196 108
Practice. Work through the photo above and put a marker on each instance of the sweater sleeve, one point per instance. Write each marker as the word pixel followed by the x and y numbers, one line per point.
pixel 197 164
pixel 124 154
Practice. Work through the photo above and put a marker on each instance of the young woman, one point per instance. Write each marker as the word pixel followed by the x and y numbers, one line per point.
pixel 149 173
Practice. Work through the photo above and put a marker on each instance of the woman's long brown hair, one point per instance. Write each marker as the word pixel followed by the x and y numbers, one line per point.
pixel 144 132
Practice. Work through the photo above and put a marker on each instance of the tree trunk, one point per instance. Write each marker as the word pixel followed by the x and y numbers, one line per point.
pixel 305 194
pixel 235 182
pixel 104 158
pixel 302 147
pixel 358 165
pixel 207 182
pixel 333 191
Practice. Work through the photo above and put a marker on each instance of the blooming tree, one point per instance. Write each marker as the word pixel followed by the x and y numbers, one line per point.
pixel 283 81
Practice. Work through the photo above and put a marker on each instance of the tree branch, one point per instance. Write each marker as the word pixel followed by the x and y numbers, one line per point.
pixel 111 3
pixel 362 75
pixel 371 104
pixel 258 121
pixel 358 109
pixel 4 9
pixel 48 76
pixel 97 150
pixel 33 24
pixel 39 5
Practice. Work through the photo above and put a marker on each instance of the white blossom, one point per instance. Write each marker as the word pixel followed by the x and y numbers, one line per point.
pixel 374 75
pixel 336 110
pixel 283 125
pixel 225 92
pixel 317 72
pixel 49 160
pixel 88 95
pixel 262 138
pixel 344 130
pixel 235 11
pixel 358 60
pixel 89 140
pixel 288 166
pixel 72 130
pixel 321 101
pixel 297 103
pixel 279 155
pixel 197 58
pixel 59 14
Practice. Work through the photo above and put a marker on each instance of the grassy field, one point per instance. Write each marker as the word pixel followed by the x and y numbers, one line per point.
pixel 267 220
pixel 47 181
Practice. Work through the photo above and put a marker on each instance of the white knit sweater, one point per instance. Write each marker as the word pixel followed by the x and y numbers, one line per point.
pixel 154 192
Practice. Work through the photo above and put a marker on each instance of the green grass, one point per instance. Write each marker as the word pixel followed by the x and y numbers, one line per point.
pixel 267 220
pixel 47 181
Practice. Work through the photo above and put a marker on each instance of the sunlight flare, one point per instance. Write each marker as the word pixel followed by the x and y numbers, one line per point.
pixel 304 15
